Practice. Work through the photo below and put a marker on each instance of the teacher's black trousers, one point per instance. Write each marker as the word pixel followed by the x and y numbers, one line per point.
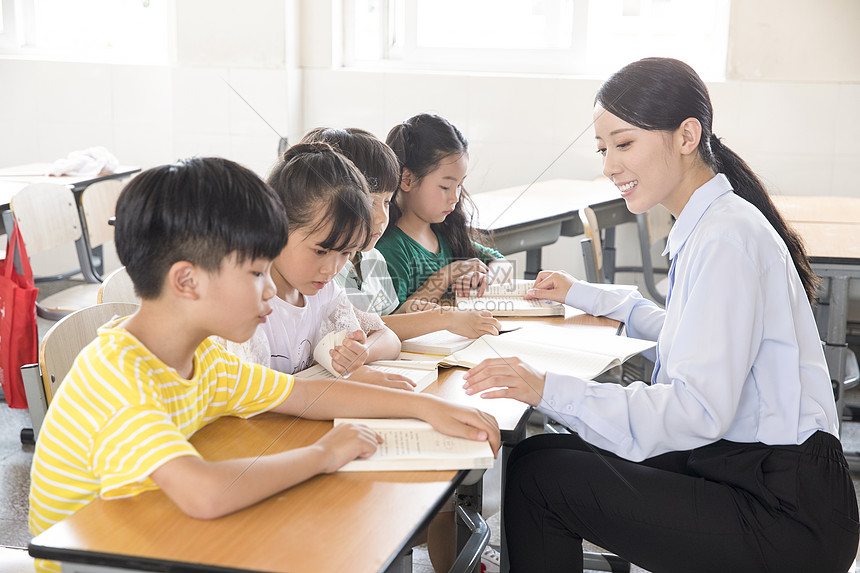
pixel 724 508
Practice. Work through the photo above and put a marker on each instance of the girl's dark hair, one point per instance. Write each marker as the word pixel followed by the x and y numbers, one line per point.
pixel 421 143
pixel 319 187
pixel 374 159
pixel 199 210
pixel 658 94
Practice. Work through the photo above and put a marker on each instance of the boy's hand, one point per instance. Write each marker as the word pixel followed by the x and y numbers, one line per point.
pixel 551 285
pixel 506 378
pixel 347 442
pixel 471 323
pixel 369 375
pixel 462 421
pixel 350 355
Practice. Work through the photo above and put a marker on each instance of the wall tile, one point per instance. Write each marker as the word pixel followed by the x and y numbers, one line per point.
pixel 515 111
pixel 265 93
pixel 142 95
pixel 786 117
pixel 201 101
pixel 408 94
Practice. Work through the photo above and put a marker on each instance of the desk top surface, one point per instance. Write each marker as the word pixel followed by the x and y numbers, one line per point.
pixel 544 200
pixel 13 179
pixel 829 226
pixel 340 522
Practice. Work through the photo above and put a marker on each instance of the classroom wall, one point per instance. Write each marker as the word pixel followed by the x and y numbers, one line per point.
pixel 789 105
pixel 150 115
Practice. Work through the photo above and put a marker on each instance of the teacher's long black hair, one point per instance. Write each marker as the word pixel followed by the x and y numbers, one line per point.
pixel 658 94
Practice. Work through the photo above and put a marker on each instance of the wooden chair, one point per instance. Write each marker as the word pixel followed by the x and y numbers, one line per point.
pixel 47 216
pixel 653 227
pixel 117 287
pixel 57 352
pixel 98 206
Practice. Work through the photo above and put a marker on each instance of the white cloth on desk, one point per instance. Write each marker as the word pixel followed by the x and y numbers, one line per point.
pixel 739 348
pixel 85 163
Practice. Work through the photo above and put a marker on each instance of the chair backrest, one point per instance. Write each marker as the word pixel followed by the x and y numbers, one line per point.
pixel 99 205
pixel 117 287
pixel 47 216
pixel 62 343
pixel 592 248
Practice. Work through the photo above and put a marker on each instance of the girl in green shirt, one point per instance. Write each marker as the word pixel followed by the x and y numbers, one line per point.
pixel 429 245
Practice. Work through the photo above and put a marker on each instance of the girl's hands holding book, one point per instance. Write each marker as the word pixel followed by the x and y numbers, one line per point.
pixel 462 421
pixel 350 355
pixel 346 442
pixel 506 378
pixel 551 285
pixel 464 276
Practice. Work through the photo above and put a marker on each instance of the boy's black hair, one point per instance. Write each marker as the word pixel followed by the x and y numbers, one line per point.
pixel 198 210
pixel 376 161
pixel 320 188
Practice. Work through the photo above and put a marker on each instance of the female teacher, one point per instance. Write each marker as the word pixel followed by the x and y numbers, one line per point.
pixel 729 459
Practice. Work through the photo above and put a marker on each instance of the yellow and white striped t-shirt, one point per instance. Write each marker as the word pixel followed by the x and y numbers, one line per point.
pixel 121 413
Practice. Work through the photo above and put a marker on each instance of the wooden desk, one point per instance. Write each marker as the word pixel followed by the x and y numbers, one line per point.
pixel 352 522
pixel 529 217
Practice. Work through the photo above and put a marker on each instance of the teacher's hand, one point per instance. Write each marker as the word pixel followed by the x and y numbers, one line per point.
pixel 506 378
pixel 551 285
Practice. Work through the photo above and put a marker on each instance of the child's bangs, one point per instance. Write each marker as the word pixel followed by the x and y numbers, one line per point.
pixel 347 223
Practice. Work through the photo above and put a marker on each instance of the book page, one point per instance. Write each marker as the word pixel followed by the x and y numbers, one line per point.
pixel 583 365
pixel 567 351
pixel 416 445
pixel 422 374
pixel 441 342
pixel 507 300
pixel 328 342
pixel 583 338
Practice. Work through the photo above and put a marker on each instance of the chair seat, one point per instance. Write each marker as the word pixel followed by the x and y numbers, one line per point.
pixel 69 300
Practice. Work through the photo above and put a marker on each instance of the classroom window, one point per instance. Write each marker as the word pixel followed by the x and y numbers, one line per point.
pixel 127 31
pixel 583 37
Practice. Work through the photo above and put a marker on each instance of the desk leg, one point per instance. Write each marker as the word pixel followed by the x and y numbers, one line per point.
pixel 835 347
pixel 609 255
pixel 505 452
pixel 533 264
pixel 471 496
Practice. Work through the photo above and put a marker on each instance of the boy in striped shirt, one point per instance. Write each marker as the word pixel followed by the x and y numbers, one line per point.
pixel 198 239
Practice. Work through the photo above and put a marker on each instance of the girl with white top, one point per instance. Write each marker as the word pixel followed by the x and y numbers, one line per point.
pixel 326 203
pixel 729 459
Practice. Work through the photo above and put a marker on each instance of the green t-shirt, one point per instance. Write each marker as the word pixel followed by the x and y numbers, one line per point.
pixel 410 264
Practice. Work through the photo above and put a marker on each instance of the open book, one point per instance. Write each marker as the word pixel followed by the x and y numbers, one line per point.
pixel 441 342
pixel 413 445
pixel 577 352
pixel 507 300
pixel 423 373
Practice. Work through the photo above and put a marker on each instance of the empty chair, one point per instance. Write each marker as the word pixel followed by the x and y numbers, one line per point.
pixel 57 352
pixel 98 205
pixel 47 216
pixel 117 287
